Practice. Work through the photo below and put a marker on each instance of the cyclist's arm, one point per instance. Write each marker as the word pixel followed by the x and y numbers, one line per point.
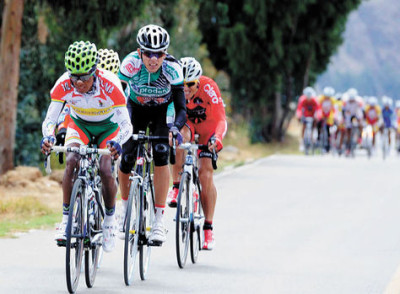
pixel 178 96
pixel 50 122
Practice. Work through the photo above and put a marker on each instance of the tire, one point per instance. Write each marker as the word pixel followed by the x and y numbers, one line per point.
pixel 182 219
pixel 196 230
pixel 148 219
pixel 95 249
pixel 74 235
pixel 131 232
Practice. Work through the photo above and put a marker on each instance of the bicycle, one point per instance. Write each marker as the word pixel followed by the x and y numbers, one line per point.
pixel 84 230
pixel 367 138
pixel 385 142
pixel 140 210
pixel 189 213
pixel 308 135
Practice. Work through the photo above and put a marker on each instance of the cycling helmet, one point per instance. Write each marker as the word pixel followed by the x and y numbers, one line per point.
pixel 387 101
pixel 372 101
pixel 81 57
pixel 191 69
pixel 109 60
pixel 352 93
pixel 308 92
pixel 329 91
pixel 397 104
pixel 153 38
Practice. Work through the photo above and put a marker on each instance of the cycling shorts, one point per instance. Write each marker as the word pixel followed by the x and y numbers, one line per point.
pixel 205 130
pixel 143 117
pixel 85 133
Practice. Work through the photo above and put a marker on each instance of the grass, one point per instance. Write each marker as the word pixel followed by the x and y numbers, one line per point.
pixel 22 213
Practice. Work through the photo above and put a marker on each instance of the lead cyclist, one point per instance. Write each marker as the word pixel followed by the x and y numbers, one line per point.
pixel 98 109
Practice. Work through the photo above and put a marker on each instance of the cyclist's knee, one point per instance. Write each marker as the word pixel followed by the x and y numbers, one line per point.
pixel 161 154
pixel 72 160
pixel 128 157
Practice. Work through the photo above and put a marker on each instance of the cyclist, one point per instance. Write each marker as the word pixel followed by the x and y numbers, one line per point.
pixel 352 110
pixel 307 107
pixel 372 116
pixel 98 109
pixel 326 113
pixel 109 60
pixel 397 113
pixel 206 117
pixel 387 115
pixel 153 79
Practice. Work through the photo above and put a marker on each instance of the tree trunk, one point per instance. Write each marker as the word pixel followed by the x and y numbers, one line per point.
pixel 276 126
pixel 9 76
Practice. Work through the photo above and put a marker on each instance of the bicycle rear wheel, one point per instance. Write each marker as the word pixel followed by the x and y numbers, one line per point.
pixel 147 222
pixel 182 221
pixel 94 252
pixel 196 226
pixel 131 232
pixel 74 234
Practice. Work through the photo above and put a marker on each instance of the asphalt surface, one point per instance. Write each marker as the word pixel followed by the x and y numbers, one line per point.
pixel 284 224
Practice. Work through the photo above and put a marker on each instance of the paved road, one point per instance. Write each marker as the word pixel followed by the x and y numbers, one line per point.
pixel 285 224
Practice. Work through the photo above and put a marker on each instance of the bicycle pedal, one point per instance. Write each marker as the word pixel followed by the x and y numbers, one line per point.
pixel 61 243
pixel 155 243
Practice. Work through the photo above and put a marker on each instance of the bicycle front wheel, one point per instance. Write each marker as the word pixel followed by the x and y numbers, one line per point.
pixel 148 218
pixel 131 232
pixel 182 221
pixel 196 225
pixel 74 234
pixel 93 243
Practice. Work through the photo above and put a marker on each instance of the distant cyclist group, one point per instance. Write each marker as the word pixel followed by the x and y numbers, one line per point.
pixel 341 122
pixel 101 102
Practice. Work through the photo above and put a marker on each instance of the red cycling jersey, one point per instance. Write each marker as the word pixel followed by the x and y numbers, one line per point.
pixel 306 107
pixel 206 112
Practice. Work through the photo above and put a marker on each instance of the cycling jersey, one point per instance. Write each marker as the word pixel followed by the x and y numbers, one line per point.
pixel 155 89
pixel 387 114
pixel 206 112
pixel 326 109
pixel 306 107
pixel 64 118
pixel 372 114
pixel 104 104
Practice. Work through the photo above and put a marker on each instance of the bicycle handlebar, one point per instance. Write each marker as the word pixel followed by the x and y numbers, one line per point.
pixel 194 147
pixel 82 150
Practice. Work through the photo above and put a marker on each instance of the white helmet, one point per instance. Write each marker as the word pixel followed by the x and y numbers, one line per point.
pixel 372 101
pixel 329 91
pixel 153 38
pixel 191 69
pixel 352 93
pixel 109 60
pixel 387 101
pixel 308 92
pixel 397 104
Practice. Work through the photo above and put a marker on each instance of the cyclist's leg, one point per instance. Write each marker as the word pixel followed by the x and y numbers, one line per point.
pixel 140 120
pixel 187 132
pixel 73 138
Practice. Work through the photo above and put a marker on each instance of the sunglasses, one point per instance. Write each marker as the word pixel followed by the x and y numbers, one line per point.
pixel 83 78
pixel 190 84
pixel 151 54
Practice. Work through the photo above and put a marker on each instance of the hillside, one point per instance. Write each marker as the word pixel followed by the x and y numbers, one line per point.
pixel 368 59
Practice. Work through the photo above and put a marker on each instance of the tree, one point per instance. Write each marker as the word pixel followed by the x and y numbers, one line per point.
pixel 271 49
pixel 9 76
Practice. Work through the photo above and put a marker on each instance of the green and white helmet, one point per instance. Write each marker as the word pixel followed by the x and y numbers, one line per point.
pixel 109 60
pixel 81 57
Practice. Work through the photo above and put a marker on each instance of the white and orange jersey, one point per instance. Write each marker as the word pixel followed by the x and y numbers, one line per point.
pixel 105 101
